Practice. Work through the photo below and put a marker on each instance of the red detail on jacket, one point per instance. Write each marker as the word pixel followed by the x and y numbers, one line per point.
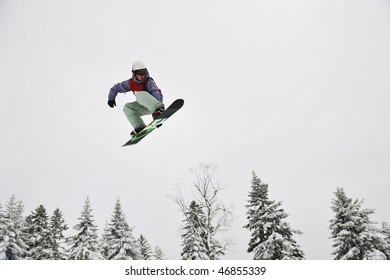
pixel 136 86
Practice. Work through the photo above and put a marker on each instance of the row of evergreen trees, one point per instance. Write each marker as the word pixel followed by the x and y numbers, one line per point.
pixel 39 236
pixel 354 235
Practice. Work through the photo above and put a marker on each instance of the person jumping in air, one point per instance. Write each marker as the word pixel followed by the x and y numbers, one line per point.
pixel 149 99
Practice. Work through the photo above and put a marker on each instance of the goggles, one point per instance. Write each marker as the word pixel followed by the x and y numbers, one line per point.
pixel 141 72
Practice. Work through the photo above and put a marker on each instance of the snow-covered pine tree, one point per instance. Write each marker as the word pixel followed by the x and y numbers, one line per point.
pixel 193 237
pixel 353 233
pixel 144 248
pixel 158 254
pixel 2 234
pixel 271 235
pixel 119 237
pixel 84 244
pixel 12 246
pixel 103 244
pixel 386 232
pixel 57 227
pixel 37 235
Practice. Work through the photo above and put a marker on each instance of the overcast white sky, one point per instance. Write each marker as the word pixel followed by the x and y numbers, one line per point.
pixel 297 91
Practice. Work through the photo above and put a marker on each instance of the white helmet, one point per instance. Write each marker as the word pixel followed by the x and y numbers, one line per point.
pixel 138 65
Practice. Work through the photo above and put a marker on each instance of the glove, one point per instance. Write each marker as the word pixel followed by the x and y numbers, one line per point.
pixel 111 103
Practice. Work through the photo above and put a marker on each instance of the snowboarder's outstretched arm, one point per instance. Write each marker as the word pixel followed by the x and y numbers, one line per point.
pixel 120 87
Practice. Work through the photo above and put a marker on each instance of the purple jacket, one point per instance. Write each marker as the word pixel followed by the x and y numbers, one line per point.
pixel 124 86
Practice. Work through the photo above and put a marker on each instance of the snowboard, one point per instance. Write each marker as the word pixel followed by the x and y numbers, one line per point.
pixel 157 122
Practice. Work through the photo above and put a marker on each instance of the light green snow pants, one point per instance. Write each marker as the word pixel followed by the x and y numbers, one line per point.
pixel 145 104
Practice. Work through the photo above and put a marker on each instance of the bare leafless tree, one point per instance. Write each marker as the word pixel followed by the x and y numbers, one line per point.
pixel 216 217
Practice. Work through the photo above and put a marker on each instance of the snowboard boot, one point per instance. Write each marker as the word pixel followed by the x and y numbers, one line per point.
pixel 135 131
pixel 157 113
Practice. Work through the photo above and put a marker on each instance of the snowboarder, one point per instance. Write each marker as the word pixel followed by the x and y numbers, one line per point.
pixel 149 99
